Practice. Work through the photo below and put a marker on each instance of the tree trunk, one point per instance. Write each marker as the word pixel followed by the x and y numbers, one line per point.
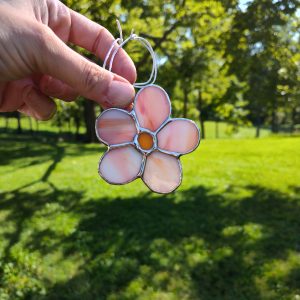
pixel 258 124
pixel 6 123
pixel 69 127
pixel 202 128
pixel 30 125
pixel 274 116
pixel 201 120
pixel 19 122
pixel 77 127
pixel 257 134
pixel 89 121
pixel 293 119
pixel 217 129
pixel 185 102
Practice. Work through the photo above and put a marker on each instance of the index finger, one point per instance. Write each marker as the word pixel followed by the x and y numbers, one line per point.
pixel 98 40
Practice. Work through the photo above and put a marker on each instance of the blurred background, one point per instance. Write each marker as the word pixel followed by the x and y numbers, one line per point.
pixel 231 231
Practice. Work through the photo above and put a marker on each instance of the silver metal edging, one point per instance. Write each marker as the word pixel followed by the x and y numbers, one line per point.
pixel 134 143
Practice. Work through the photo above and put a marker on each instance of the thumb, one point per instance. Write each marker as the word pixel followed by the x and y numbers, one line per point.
pixel 91 81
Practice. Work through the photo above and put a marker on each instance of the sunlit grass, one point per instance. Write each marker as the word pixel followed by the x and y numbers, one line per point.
pixel 231 231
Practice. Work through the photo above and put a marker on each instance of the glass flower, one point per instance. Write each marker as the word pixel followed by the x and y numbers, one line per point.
pixel 145 142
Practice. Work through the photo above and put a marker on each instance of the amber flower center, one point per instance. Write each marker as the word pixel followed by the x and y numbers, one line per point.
pixel 145 140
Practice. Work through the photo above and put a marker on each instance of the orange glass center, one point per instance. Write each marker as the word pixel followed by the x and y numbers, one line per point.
pixel 145 140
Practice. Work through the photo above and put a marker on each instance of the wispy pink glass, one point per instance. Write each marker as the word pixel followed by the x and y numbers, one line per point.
pixel 145 142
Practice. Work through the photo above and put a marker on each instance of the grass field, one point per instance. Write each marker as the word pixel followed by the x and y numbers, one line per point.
pixel 231 231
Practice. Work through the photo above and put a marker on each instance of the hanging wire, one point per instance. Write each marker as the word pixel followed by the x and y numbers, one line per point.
pixel 120 42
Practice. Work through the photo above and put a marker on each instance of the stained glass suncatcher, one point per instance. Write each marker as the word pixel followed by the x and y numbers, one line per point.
pixel 145 142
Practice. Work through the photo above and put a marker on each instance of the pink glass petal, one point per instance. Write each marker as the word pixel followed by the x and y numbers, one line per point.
pixel 115 126
pixel 180 135
pixel 120 165
pixel 152 107
pixel 162 172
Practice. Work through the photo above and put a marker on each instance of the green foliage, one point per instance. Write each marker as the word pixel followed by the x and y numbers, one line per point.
pixel 217 62
pixel 70 114
pixel 264 47
pixel 20 276
pixel 231 231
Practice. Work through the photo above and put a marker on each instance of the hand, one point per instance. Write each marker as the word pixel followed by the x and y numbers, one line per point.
pixel 36 64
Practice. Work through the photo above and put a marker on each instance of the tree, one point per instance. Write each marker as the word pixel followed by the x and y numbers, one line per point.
pixel 216 61
pixel 259 53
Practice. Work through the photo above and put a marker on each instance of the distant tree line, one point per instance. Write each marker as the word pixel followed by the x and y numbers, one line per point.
pixel 218 61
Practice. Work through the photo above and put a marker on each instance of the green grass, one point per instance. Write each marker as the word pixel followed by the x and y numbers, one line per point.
pixel 228 131
pixel 36 126
pixel 230 232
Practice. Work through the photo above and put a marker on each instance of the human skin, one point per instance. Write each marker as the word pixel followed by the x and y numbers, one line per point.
pixel 36 64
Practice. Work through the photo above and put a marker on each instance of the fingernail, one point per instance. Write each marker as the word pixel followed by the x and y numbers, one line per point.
pixel 120 93
pixel 54 111
pixel 51 87
pixel 41 107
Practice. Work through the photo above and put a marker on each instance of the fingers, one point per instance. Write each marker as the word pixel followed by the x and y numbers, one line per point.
pixel 56 88
pixel 128 108
pixel 12 95
pixel 79 30
pixel 97 39
pixel 90 80
pixel 38 105
pixel 22 96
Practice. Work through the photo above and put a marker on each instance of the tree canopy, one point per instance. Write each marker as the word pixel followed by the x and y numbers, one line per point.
pixel 217 60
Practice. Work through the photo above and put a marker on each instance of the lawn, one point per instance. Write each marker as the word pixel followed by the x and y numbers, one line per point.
pixel 230 232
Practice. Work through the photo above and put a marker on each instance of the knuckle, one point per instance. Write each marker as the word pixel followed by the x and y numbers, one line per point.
pixel 63 22
pixel 43 38
pixel 40 32
pixel 94 77
pixel 27 91
pixel 43 45
pixel 64 16
pixel 98 40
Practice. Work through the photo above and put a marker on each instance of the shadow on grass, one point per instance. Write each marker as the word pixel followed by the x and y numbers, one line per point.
pixel 196 244
pixel 22 151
